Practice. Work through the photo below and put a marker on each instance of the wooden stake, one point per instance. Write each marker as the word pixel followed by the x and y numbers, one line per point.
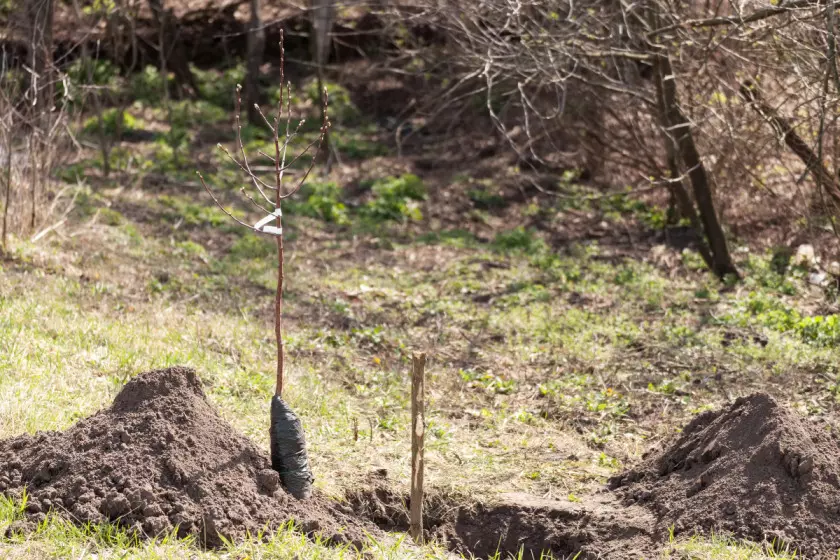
pixel 418 432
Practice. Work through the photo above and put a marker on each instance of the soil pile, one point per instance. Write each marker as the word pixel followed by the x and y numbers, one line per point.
pixel 755 470
pixel 161 457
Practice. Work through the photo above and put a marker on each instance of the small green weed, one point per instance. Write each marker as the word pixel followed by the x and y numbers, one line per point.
pixel 573 394
pixel 519 240
pixel 147 86
pixel 111 217
pixel 118 158
pixel 486 200
pixel 103 73
pixel 488 381
pixel 618 205
pixel 356 146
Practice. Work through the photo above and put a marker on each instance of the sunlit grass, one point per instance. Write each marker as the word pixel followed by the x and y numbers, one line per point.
pixel 726 548
pixel 57 538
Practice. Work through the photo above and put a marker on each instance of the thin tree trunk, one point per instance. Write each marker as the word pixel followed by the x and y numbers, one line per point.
pixel 323 14
pixel 680 126
pixel 172 51
pixel 681 197
pixel 102 137
pixel 278 307
pixel 33 169
pixel 256 48
pixel 40 20
pixel 162 17
pixel 8 194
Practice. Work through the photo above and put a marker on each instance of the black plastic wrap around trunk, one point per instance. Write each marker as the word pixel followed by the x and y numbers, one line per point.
pixel 288 450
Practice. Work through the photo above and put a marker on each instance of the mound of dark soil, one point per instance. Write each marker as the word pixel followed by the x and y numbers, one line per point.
pixel 754 470
pixel 161 457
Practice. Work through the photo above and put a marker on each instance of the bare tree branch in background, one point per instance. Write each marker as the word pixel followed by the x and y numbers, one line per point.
pixel 606 78
pixel 172 54
pixel 322 16
pixel 787 134
pixel 253 63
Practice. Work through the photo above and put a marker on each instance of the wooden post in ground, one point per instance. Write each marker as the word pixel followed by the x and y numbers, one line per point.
pixel 418 432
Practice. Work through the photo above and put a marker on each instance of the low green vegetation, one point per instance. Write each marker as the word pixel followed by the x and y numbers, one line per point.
pixel 112 122
pixel 321 200
pixel 395 199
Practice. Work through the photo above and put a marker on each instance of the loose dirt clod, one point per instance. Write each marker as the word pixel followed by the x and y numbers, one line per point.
pixel 755 470
pixel 161 457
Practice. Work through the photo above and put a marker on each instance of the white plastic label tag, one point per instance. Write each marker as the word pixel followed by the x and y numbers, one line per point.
pixel 264 228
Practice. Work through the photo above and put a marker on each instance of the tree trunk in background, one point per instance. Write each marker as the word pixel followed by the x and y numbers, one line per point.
pixel 684 204
pixel 256 48
pixel 173 51
pixel 39 15
pixel 322 15
pixel 41 94
pixel 679 126
pixel 7 183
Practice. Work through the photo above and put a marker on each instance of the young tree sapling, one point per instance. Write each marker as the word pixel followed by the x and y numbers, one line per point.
pixel 288 447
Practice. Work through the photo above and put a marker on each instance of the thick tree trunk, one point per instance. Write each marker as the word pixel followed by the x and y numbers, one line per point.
pixel 680 128
pixel 256 48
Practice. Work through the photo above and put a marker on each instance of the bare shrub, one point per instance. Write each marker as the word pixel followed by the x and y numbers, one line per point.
pixel 612 80
pixel 34 136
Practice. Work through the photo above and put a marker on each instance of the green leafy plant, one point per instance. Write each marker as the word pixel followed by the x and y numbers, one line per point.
pixel 102 72
pixel 146 85
pixel 762 309
pixel 215 85
pixel 357 146
pixel 110 122
pixel 395 199
pixel 323 201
